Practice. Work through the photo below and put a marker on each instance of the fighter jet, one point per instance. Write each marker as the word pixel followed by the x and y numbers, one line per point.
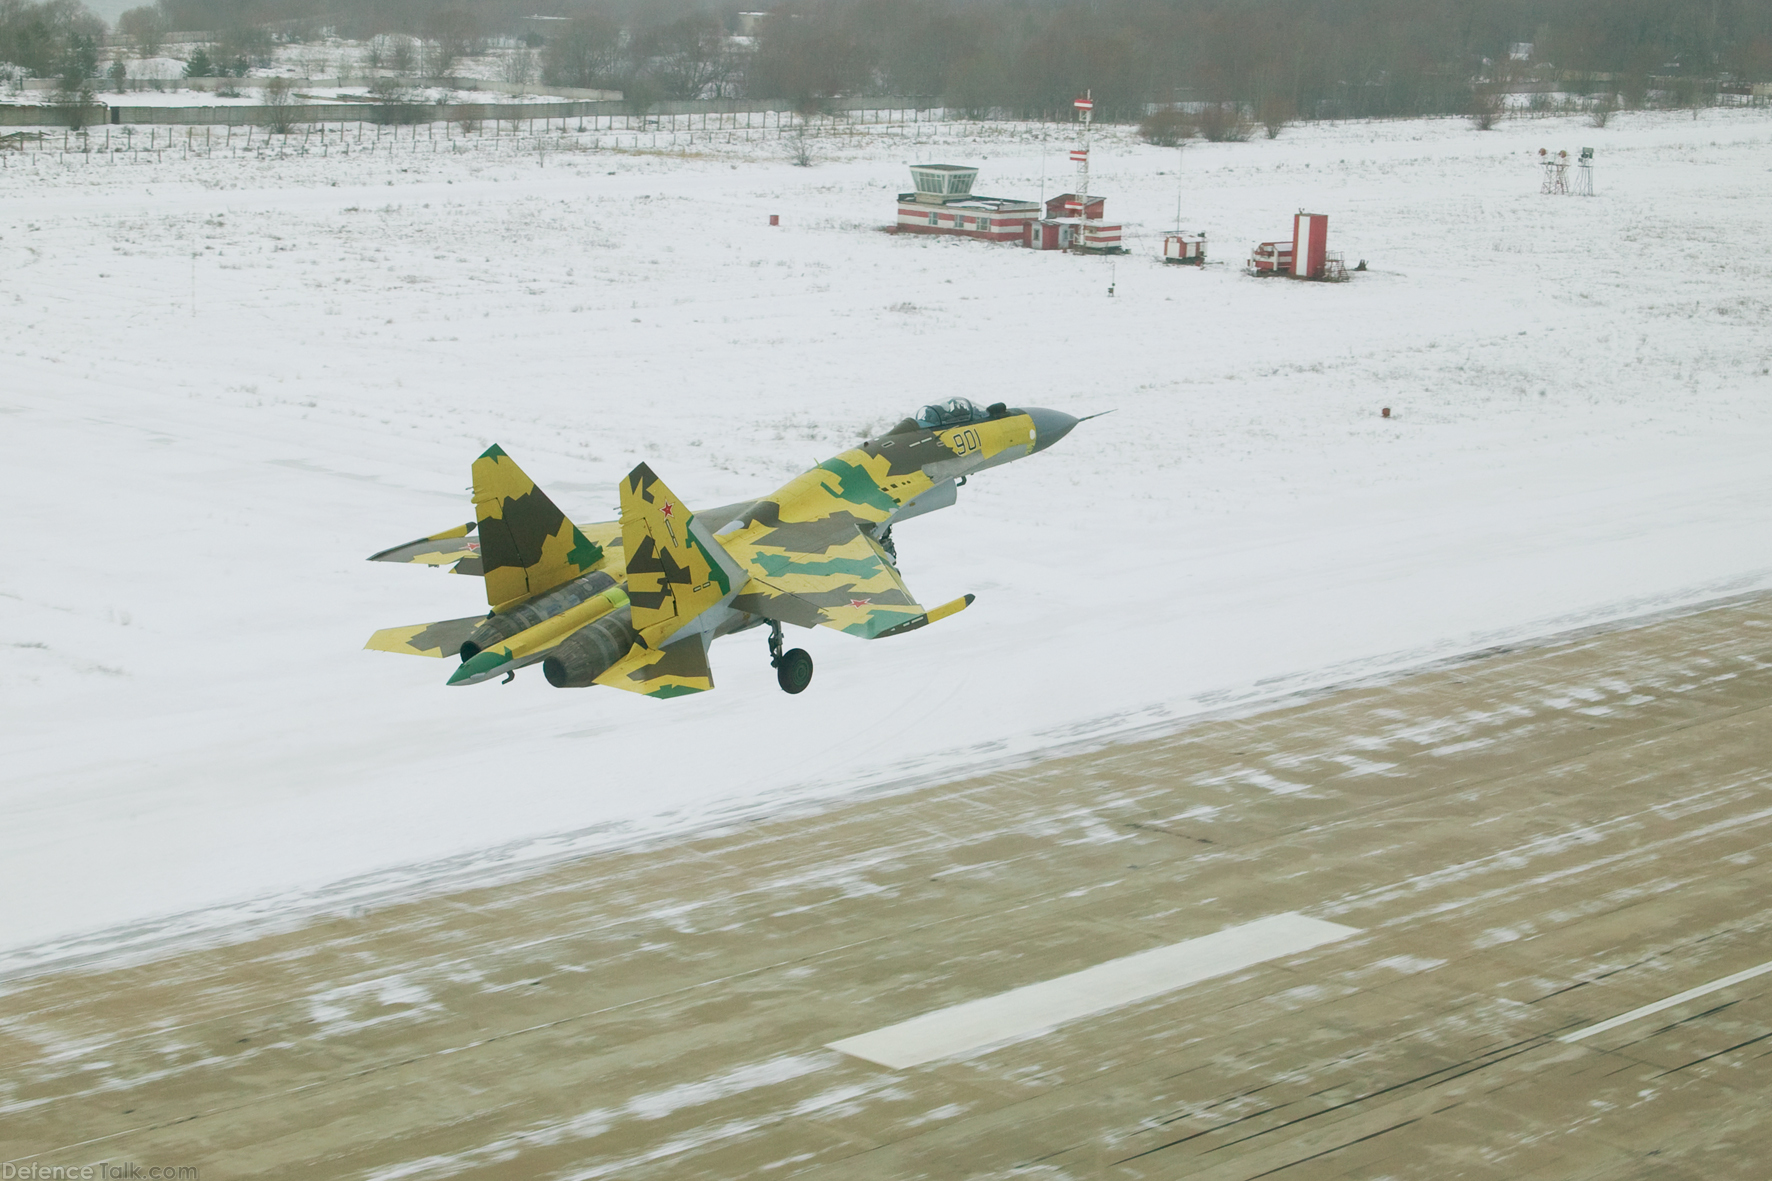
pixel 634 603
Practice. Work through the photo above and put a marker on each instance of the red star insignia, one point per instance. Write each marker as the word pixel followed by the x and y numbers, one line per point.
pixel 858 602
pixel 473 545
pixel 666 508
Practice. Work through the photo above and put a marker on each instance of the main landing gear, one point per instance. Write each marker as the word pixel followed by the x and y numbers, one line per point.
pixel 793 668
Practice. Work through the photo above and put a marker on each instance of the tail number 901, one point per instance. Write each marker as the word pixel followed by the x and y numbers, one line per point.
pixel 965 442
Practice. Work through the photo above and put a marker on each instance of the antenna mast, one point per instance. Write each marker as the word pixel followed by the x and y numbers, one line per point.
pixel 1085 105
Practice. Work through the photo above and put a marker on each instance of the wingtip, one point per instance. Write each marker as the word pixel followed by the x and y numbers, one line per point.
pixel 493 452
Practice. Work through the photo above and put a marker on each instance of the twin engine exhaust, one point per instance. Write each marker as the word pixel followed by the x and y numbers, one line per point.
pixel 589 652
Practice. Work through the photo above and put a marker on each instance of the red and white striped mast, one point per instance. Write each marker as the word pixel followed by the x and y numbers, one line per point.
pixel 1085 107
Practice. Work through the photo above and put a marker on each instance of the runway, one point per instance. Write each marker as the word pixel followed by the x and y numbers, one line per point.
pixel 1501 918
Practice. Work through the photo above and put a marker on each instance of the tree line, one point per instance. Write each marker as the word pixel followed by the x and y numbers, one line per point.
pixel 1280 59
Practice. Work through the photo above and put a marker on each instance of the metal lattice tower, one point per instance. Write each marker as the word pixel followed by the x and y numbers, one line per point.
pixel 1556 173
pixel 1584 173
pixel 1086 108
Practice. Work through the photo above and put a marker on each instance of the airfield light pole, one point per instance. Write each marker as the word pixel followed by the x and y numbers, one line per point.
pixel 1179 146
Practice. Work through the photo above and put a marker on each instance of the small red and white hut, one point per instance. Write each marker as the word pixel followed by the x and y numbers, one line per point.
pixel 1310 242
pixel 1074 223
pixel 1183 247
pixel 1307 256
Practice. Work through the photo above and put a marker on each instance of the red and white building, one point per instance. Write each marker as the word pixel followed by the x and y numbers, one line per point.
pixel 1307 256
pixel 1073 223
pixel 943 203
pixel 1183 247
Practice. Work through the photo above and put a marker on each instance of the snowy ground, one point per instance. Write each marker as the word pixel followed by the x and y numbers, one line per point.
pixel 228 381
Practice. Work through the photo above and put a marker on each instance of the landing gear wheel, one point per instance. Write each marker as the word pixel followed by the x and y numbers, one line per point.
pixel 793 672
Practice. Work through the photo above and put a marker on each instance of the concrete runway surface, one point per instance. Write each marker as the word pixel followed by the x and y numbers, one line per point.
pixel 1367 934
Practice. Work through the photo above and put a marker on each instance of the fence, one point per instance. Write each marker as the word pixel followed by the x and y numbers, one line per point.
pixel 595 116
pixel 905 108
pixel 107 144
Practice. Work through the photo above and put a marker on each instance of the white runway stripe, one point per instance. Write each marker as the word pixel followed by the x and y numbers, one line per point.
pixel 1670 1002
pixel 1035 1008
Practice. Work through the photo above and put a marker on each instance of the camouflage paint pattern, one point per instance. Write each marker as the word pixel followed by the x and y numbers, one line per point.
pixel 499 628
pixel 935 615
pixel 534 643
pixel 527 546
pixel 452 548
pixel 810 545
pixel 426 639
pixel 671 671
pixel 674 572
pixel 807 554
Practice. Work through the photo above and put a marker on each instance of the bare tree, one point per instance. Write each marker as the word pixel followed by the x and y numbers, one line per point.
pixel 685 57
pixel 808 58
pixel 518 67
pixel 147 25
pixel 587 53
pixel 454 34
pixel 1222 123
pixel 1486 107
pixel 1166 128
pixel 280 106
pixel 1274 112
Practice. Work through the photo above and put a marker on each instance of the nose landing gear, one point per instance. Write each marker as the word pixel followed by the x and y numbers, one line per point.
pixel 793 668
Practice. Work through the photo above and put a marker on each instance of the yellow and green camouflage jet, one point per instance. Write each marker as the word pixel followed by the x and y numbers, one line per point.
pixel 634 603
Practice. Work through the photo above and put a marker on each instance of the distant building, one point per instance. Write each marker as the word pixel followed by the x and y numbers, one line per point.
pixel 543 27
pixel 943 203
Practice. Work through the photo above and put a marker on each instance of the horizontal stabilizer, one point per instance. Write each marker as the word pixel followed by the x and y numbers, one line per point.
pixel 671 671
pixel 426 639
pixel 452 548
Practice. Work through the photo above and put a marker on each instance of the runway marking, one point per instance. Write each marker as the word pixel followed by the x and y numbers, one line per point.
pixel 1038 1008
pixel 1668 1003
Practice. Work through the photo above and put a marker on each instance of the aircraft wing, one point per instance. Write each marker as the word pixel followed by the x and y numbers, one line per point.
pixel 825 574
pixel 426 639
pixel 459 550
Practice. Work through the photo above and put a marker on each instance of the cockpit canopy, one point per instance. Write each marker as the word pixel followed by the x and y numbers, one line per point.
pixel 957 412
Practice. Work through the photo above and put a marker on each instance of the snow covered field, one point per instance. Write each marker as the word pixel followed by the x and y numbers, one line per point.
pixel 229 381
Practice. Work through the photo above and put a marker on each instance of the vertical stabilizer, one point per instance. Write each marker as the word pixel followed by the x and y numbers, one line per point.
pixel 527 545
pixel 676 570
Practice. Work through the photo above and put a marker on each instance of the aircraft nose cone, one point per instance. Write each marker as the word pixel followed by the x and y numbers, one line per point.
pixel 1050 426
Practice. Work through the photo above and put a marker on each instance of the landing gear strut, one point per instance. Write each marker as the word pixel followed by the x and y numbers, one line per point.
pixel 886 544
pixel 793 668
